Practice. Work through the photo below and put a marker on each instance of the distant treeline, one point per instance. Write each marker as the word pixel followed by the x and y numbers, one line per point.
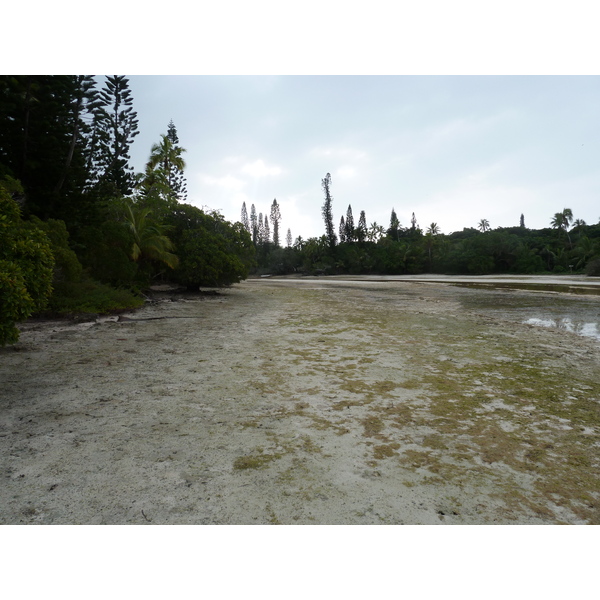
pixel 568 246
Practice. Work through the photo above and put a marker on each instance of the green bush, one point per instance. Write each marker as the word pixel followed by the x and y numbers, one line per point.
pixel 212 252
pixel 66 264
pixel 208 260
pixel 592 269
pixel 89 296
pixel 26 268
pixel 105 255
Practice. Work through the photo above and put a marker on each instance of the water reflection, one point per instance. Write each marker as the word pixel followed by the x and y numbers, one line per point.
pixel 580 327
pixel 577 314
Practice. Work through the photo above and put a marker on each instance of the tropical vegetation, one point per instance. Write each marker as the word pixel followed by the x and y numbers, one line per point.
pixel 79 230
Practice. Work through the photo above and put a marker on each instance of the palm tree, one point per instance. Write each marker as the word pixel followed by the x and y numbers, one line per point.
pixel 375 232
pixel 484 225
pixel 562 221
pixel 167 157
pixel 578 225
pixel 149 241
pixel 583 252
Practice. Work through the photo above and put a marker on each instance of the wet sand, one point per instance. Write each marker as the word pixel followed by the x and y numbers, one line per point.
pixel 299 401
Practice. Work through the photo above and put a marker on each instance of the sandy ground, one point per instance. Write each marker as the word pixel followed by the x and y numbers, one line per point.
pixel 299 401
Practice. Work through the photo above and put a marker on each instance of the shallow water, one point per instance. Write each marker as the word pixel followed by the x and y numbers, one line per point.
pixel 573 313
pixel 585 329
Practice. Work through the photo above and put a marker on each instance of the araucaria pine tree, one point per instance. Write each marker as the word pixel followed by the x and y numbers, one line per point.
pixel 393 231
pixel 288 238
pixel 275 220
pixel 260 238
pixel 245 220
pixel 361 230
pixel 164 164
pixel 254 224
pixel 327 212
pixel 177 181
pixel 118 126
pixel 350 234
pixel 267 231
pixel 342 230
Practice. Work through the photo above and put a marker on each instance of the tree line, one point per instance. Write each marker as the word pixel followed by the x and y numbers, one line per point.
pixel 79 229
pixel 568 245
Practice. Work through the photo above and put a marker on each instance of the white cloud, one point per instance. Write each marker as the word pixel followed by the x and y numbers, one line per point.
pixel 258 168
pixel 227 182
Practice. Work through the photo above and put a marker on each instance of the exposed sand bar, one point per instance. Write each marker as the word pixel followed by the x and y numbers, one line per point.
pixel 319 401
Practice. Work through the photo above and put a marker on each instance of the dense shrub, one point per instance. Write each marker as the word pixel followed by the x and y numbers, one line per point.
pixel 66 264
pixel 105 255
pixel 26 268
pixel 212 251
pixel 592 269
pixel 89 296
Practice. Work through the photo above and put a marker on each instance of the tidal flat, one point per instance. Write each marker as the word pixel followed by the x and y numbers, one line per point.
pixel 309 401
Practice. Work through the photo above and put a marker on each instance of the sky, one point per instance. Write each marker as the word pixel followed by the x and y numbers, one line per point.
pixel 452 149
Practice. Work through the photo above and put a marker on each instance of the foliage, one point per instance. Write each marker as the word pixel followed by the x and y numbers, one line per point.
pixel 470 251
pixel 89 296
pixel 177 181
pixel 26 264
pixel 593 268
pixel 212 251
pixel 149 241
pixel 66 264
pixel 105 254
pixel 117 126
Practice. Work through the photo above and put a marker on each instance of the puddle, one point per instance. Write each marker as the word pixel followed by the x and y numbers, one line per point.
pixel 578 314
pixel 580 327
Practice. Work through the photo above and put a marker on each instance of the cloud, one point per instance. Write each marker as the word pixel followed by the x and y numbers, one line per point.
pixel 227 182
pixel 258 168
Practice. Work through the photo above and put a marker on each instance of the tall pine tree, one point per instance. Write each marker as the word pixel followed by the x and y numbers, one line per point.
pixel 350 234
pixel 40 143
pixel 245 220
pixel 118 126
pixel 254 224
pixel 275 220
pixel 394 229
pixel 342 230
pixel 327 212
pixel 177 181
pixel 361 230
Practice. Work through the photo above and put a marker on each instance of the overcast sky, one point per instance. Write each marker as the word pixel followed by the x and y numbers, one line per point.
pixel 451 149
